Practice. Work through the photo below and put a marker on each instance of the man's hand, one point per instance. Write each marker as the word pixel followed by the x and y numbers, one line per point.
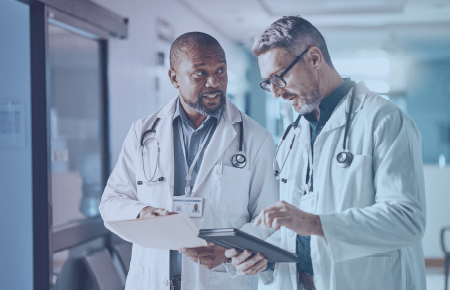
pixel 209 256
pixel 284 214
pixel 246 263
pixel 149 212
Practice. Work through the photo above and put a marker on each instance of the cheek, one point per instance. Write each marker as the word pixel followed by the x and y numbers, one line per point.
pixel 190 87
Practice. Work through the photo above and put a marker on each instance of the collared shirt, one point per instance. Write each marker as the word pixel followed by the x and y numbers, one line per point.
pixel 192 140
pixel 326 108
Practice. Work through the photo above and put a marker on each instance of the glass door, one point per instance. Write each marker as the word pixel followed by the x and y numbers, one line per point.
pixel 78 139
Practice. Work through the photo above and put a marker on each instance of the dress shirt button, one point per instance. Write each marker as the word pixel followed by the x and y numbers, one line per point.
pixel 195 133
pixel 166 282
pixel 291 233
pixel 192 159
pixel 292 269
pixel 305 155
pixel 297 195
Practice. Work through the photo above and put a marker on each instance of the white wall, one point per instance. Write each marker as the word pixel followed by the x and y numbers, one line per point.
pixel 133 61
pixel 16 236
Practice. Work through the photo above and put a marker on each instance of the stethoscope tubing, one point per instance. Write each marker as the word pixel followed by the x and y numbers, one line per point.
pixel 348 157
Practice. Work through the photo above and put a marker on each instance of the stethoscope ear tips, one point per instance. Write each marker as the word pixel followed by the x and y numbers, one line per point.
pixel 344 159
pixel 239 161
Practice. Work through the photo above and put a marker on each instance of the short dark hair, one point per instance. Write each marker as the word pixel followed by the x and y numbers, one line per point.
pixel 294 34
pixel 190 39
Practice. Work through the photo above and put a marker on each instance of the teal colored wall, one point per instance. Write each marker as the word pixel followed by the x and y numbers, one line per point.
pixel 429 106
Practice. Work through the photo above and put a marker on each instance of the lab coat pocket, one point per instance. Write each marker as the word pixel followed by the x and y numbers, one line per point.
pixel 229 189
pixel 365 273
pixel 354 182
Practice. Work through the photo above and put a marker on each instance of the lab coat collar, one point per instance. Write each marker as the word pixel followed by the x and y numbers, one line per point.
pixel 222 138
pixel 339 117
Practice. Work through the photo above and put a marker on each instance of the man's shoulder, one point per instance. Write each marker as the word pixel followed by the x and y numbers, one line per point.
pixel 146 122
pixel 376 109
pixel 254 126
pixel 252 129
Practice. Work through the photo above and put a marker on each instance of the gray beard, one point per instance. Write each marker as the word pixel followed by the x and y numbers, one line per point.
pixel 199 108
pixel 310 106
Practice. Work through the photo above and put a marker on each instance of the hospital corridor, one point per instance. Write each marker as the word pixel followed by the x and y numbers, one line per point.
pixel 141 141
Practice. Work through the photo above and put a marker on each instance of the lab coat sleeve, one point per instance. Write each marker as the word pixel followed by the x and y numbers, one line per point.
pixel 119 200
pixel 264 188
pixel 397 218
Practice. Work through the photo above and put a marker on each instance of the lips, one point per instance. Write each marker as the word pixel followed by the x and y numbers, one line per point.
pixel 212 95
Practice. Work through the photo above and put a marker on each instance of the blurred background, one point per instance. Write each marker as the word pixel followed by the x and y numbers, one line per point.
pixel 76 73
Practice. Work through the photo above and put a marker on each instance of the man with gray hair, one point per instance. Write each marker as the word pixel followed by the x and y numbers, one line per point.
pixel 352 187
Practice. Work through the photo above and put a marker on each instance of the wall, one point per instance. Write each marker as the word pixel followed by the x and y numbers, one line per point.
pixel 428 95
pixel 133 62
pixel 16 248
pixel 429 106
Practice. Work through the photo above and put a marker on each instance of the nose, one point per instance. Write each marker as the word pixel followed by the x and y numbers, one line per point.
pixel 212 81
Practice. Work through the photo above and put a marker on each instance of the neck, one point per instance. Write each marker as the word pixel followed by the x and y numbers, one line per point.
pixel 195 117
pixel 331 82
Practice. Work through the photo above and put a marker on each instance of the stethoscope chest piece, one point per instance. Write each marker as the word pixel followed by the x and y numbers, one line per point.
pixel 239 160
pixel 344 159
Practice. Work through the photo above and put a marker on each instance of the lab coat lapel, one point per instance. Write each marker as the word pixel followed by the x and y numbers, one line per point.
pixel 164 135
pixel 339 117
pixel 222 138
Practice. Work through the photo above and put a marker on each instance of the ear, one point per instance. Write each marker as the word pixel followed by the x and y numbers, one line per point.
pixel 173 78
pixel 315 57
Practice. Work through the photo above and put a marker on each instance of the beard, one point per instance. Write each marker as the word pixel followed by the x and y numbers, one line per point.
pixel 307 105
pixel 205 111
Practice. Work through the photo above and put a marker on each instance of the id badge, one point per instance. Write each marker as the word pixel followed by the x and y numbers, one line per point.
pixel 308 202
pixel 190 205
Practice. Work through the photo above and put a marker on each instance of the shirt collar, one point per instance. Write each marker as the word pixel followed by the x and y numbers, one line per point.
pixel 330 102
pixel 180 112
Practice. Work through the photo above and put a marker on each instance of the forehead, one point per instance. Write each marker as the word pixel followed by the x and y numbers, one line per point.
pixel 197 56
pixel 274 61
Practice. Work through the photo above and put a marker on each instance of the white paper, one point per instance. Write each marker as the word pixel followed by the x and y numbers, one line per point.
pixel 170 232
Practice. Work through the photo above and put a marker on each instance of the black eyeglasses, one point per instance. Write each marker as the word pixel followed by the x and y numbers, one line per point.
pixel 278 80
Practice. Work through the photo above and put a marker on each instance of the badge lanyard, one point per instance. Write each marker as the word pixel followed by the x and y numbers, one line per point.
pixel 187 189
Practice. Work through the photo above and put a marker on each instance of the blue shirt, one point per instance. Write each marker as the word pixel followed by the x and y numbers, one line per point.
pixel 192 140
pixel 326 108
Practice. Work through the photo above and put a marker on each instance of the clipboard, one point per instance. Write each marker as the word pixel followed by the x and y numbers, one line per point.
pixel 170 232
pixel 234 238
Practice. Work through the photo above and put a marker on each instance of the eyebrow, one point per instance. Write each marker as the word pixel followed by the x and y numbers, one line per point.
pixel 203 64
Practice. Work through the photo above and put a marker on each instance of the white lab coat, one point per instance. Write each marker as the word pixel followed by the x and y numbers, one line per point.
pixel 232 196
pixel 372 213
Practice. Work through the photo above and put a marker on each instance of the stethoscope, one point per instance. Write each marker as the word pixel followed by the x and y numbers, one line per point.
pixel 238 160
pixel 344 158
pixel 151 130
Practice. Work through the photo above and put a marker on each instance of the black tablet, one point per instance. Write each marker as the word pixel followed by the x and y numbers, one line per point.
pixel 234 238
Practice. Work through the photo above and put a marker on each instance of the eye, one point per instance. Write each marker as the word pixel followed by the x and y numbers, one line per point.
pixel 221 70
pixel 200 73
